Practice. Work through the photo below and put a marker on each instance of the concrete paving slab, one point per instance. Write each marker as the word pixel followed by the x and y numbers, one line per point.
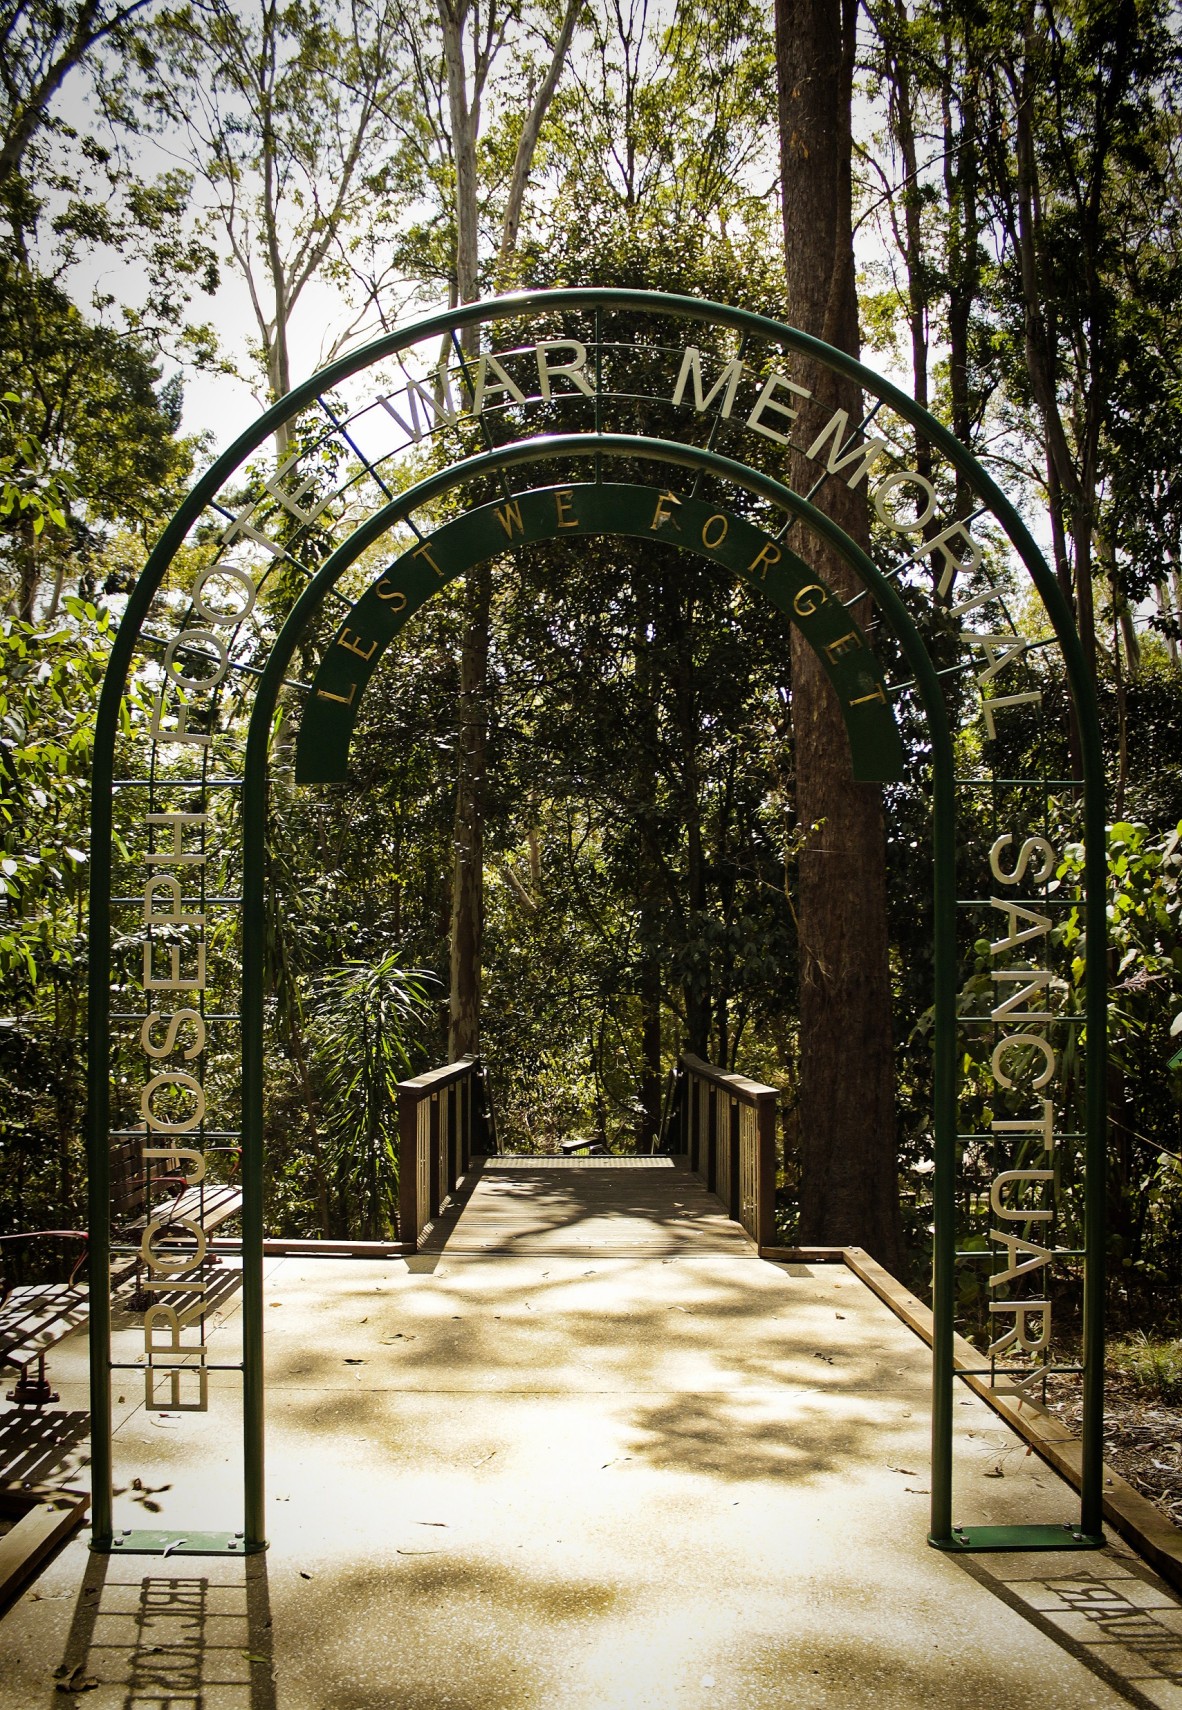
pixel 627 1481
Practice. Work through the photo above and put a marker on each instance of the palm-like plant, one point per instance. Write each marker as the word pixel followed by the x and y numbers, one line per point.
pixel 367 1019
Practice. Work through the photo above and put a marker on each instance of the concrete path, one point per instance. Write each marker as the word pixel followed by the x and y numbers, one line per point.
pixel 590 1454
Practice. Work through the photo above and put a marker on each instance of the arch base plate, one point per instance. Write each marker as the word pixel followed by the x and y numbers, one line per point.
pixel 1064 1537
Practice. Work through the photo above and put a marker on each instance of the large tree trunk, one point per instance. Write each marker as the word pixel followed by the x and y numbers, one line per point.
pixel 849 1183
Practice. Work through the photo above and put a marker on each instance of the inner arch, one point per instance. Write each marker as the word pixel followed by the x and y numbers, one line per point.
pixel 571 511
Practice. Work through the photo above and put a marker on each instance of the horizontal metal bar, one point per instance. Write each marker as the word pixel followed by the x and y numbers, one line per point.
pixel 1022 783
pixel 1019 1371
pixel 1000 1139
pixel 205 1133
pixel 194 1366
pixel 211 659
pixel 992 1253
pixel 1035 902
pixel 176 783
pixel 205 902
pixel 1053 1020
pixel 138 1015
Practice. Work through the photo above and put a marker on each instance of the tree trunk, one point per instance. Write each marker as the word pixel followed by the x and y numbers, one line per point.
pixel 467 892
pixel 849 1179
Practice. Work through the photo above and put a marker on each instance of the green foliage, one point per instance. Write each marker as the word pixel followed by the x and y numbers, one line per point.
pixel 365 1018
pixel 1151 1363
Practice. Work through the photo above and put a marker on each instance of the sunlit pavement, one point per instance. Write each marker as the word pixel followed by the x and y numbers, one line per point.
pixel 594 1454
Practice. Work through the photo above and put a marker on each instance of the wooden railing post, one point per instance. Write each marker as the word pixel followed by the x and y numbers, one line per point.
pixel 436 1112
pixel 731 1142
pixel 765 1199
pixel 409 1221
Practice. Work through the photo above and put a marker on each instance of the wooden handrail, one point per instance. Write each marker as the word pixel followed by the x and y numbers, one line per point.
pixel 444 1121
pixel 726 1126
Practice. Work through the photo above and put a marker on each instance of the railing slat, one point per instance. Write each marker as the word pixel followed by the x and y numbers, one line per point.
pixel 726 1124
pixel 436 1113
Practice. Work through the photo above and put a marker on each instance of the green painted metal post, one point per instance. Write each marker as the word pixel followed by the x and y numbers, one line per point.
pixel 944 1127
pixel 254 829
pixel 98 1069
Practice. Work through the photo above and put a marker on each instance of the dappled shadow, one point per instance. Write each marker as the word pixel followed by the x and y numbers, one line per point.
pixel 485 1637
pixel 38 1447
pixel 1111 1614
pixel 174 1633
pixel 573 1203
pixel 898 1671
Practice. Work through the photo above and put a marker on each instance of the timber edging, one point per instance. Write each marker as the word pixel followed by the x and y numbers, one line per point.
pixel 1155 1538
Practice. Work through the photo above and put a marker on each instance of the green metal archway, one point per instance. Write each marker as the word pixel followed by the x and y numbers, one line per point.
pixel 546 380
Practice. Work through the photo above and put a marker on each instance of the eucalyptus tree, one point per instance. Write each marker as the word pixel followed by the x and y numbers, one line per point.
pixel 43 46
pixel 849 1188
pixel 295 121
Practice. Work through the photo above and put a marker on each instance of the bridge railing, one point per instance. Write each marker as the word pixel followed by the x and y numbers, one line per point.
pixel 444 1120
pixel 726 1126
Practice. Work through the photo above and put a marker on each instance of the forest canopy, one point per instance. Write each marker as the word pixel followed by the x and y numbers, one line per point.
pixel 583 854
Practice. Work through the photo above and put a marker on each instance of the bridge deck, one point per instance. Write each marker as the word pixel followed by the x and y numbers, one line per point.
pixel 592 1453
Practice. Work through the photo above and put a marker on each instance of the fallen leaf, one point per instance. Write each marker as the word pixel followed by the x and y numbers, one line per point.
pixel 908 1472
pixel 839 1314
pixel 916 1492
pixel 354 1362
pixel 484 1458
pixel 418 1552
pixel 996 1472
pixel 304 1575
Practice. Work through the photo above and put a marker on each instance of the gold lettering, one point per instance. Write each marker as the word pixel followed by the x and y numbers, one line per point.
pixel 1021 1214
pixel 1039 924
pixel 341 700
pixel 424 551
pixel 991 707
pixel 171 1401
pixel 164 1261
pixel 1015 1042
pixel 1044 1125
pixel 1037 980
pixel 844 644
pixel 172 1078
pixel 769 553
pixel 174 1022
pixel 806 610
pixel 1016 1245
pixel 1023 1310
pixel 355 644
pixel 178 855
pixel 509 517
pixel 173 982
pixel 395 597
pixel 663 514
pixel 711 542
pixel 562 504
